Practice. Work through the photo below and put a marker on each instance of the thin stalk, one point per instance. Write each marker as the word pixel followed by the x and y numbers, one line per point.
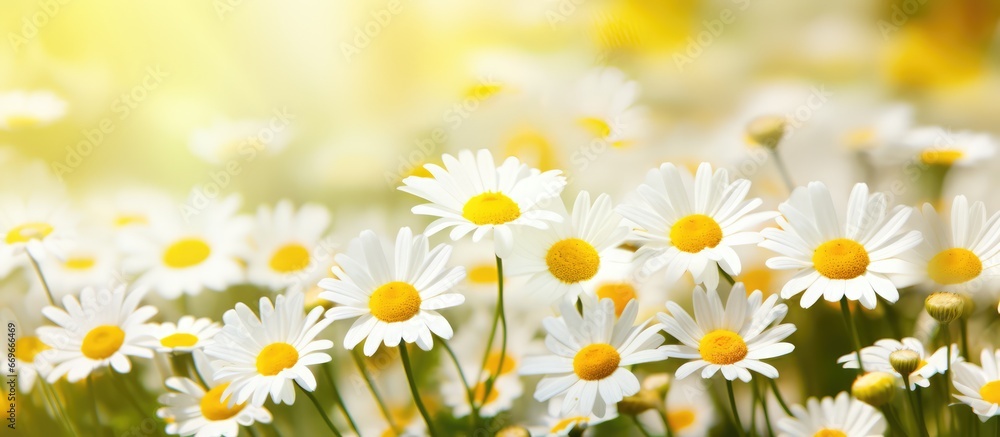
pixel 852 328
pixel 780 163
pixel 93 402
pixel 781 400
pixel 726 276
pixel 116 379
pixel 946 332
pixel 964 325
pixel 666 420
pixel 319 409
pixel 328 372
pixel 763 407
pixel 413 389
pixel 41 277
pixel 375 393
pixel 732 405
pixel 894 424
pixel 52 398
pixel 913 397
pixel 642 429
pixel 251 431
pixel 461 374
pixel 503 333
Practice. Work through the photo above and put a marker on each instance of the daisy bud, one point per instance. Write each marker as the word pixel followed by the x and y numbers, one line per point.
pixel 767 130
pixel 874 388
pixel 904 361
pixel 513 431
pixel 658 383
pixel 944 306
pixel 639 403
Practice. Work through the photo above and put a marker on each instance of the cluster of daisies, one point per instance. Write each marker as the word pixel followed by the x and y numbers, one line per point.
pixel 594 275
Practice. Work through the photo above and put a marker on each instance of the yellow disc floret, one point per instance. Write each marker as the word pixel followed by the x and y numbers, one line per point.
pixel 991 392
pixel 290 258
pixel 828 432
pixel 395 302
pixel 102 342
pixel 680 418
pixel 491 208
pixel 572 260
pixel 940 156
pixel 621 293
pixel 27 347
pixel 493 363
pixel 213 407
pixel 722 347
pixel 186 252
pixel 276 357
pixel 841 259
pixel 179 339
pixel 27 232
pixel 954 266
pixel 695 232
pixel 596 361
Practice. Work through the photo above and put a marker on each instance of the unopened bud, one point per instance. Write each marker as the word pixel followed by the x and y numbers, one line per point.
pixel 767 130
pixel 904 361
pixel 944 306
pixel 639 403
pixel 874 388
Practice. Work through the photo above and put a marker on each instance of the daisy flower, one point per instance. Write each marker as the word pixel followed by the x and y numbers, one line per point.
pixel 876 359
pixel 980 386
pixel 89 262
pixel 286 244
pixel 619 281
pixel 938 146
pixel 606 106
pixel 690 411
pixel 191 410
pixel 560 423
pixel 955 256
pixel 228 140
pixel 561 258
pixel 842 415
pixel 471 194
pixel 591 355
pixel 178 254
pixel 692 225
pixel 25 109
pixel 130 208
pixel 394 295
pixel 188 334
pixel 733 339
pixel 835 261
pixel 30 352
pixel 40 225
pixel 505 390
pixel 258 356
pixel 101 328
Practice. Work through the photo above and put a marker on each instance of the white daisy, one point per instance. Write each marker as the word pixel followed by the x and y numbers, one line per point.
pixel 842 415
pixel 619 281
pixel 101 328
pixel 25 109
pixel 561 258
pixel 505 390
pixel 130 208
pixel 188 334
pixel 190 251
pixel 605 102
pixel 29 353
pixel 471 194
pixel 591 355
pixel 228 140
pixel 939 146
pixel 258 356
pixel 89 262
pixel 692 225
pixel 191 410
pixel 690 411
pixel 959 254
pixel 835 261
pixel 559 422
pixel 394 295
pixel 40 225
pixel 285 245
pixel 876 359
pixel 733 339
pixel 980 386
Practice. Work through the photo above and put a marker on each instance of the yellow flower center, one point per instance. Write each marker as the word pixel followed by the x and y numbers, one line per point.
pixel 129 219
pixel 418 171
pixel 395 302
pixel 483 91
pixel 27 232
pixel 568 423
pixel 695 232
pixel 480 394
pixel 595 126
pixel 841 259
pixel 28 347
pixel 22 121
pixel 596 361
pixel 290 258
pixel 532 147
pixel 572 260
pixel 991 392
pixel 276 357
pixel 79 263
pixel 102 342
pixel 954 266
pixel 491 209
pixel 180 339
pixel 860 138
pixel 827 432
pixel 213 407
pixel 186 253
pixel 620 293
pixel 722 347
pixel 757 279
pixel 493 363
pixel 680 418
pixel 940 156
pixel 483 274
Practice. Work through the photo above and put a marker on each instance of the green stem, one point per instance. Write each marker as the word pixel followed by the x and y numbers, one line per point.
pixel 913 396
pixel 642 429
pixel 781 399
pixel 780 163
pixel 763 407
pixel 320 410
pixel 93 402
pixel 726 276
pixel 41 277
pixel 461 375
pixel 736 414
pixel 375 393
pixel 413 389
pixel 117 380
pixel 503 334
pixel 328 372
pixel 498 318
pixel 666 420
pixel 251 431
pixel 894 424
pixel 946 332
pixel 852 328
pixel 50 395
pixel 964 326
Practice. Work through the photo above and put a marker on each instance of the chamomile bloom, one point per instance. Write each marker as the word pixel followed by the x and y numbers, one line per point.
pixel 25 109
pixel 228 140
pixel 980 386
pixel 186 335
pixel 40 225
pixel 939 146
pixel 606 105
pixel 287 245
pixel 190 409
pixel 833 261
pixel 733 339
pixel 101 328
pixel 471 194
pixel 619 281
pixel 690 411
pixel 954 255
pixel 503 393
pixel 842 415
pixel 591 355
pixel 29 351
pixel 187 252
pixel 261 356
pixel 559 422
pixel 394 295
pixel 692 225
pixel 876 359
pixel 561 258
pixel 89 262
